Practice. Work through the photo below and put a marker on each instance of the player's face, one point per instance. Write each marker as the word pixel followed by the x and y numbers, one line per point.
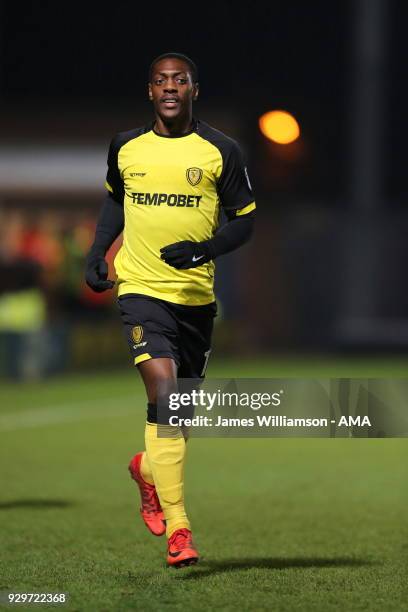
pixel 172 90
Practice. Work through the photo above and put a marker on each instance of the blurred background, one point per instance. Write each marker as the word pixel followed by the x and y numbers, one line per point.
pixel 326 270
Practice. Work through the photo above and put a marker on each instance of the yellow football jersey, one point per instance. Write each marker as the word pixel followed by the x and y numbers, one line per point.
pixel 172 189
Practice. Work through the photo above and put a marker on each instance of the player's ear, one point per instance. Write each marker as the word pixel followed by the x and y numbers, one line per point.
pixel 196 91
pixel 150 92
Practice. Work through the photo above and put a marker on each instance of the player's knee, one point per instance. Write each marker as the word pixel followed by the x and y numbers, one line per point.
pixel 165 385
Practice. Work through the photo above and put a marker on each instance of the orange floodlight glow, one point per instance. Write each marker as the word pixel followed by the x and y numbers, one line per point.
pixel 279 126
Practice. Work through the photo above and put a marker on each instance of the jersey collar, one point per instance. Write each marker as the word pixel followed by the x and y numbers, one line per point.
pixel 192 129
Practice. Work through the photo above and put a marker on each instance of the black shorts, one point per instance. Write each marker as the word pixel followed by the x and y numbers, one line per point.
pixel 157 328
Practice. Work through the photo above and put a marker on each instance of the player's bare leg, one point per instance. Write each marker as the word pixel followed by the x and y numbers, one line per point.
pixel 159 375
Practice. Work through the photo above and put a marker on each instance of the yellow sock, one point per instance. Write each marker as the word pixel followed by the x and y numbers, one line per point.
pixel 146 470
pixel 166 460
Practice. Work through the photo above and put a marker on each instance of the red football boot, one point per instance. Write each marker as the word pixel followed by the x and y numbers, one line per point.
pixel 181 551
pixel 151 511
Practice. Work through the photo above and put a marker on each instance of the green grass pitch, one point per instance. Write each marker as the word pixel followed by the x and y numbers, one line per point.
pixel 288 524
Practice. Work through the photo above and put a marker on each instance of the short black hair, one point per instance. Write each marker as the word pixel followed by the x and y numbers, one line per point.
pixel 180 56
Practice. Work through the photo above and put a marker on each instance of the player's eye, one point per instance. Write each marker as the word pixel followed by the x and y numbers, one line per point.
pixel 182 81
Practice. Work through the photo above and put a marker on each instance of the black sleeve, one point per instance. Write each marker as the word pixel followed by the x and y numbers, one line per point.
pixel 230 236
pixel 234 188
pixel 114 182
pixel 110 224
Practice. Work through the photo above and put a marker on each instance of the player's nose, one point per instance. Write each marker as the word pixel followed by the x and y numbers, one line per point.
pixel 170 86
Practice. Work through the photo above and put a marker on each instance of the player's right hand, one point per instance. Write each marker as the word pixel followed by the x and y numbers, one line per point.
pixel 96 275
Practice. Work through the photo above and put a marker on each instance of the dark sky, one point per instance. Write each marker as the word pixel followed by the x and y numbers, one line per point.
pixel 296 55
pixel 52 49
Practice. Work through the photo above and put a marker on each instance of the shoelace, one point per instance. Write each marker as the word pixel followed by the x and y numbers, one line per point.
pixel 181 539
pixel 149 500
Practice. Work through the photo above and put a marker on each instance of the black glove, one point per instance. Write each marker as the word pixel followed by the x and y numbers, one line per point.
pixel 186 254
pixel 96 274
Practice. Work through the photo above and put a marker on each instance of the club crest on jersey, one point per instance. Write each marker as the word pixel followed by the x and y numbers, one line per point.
pixel 194 175
pixel 137 333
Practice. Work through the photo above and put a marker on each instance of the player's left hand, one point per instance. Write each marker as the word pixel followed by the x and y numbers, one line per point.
pixel 186 254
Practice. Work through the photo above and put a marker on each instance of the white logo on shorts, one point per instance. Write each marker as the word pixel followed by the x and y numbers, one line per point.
pixel 135 346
